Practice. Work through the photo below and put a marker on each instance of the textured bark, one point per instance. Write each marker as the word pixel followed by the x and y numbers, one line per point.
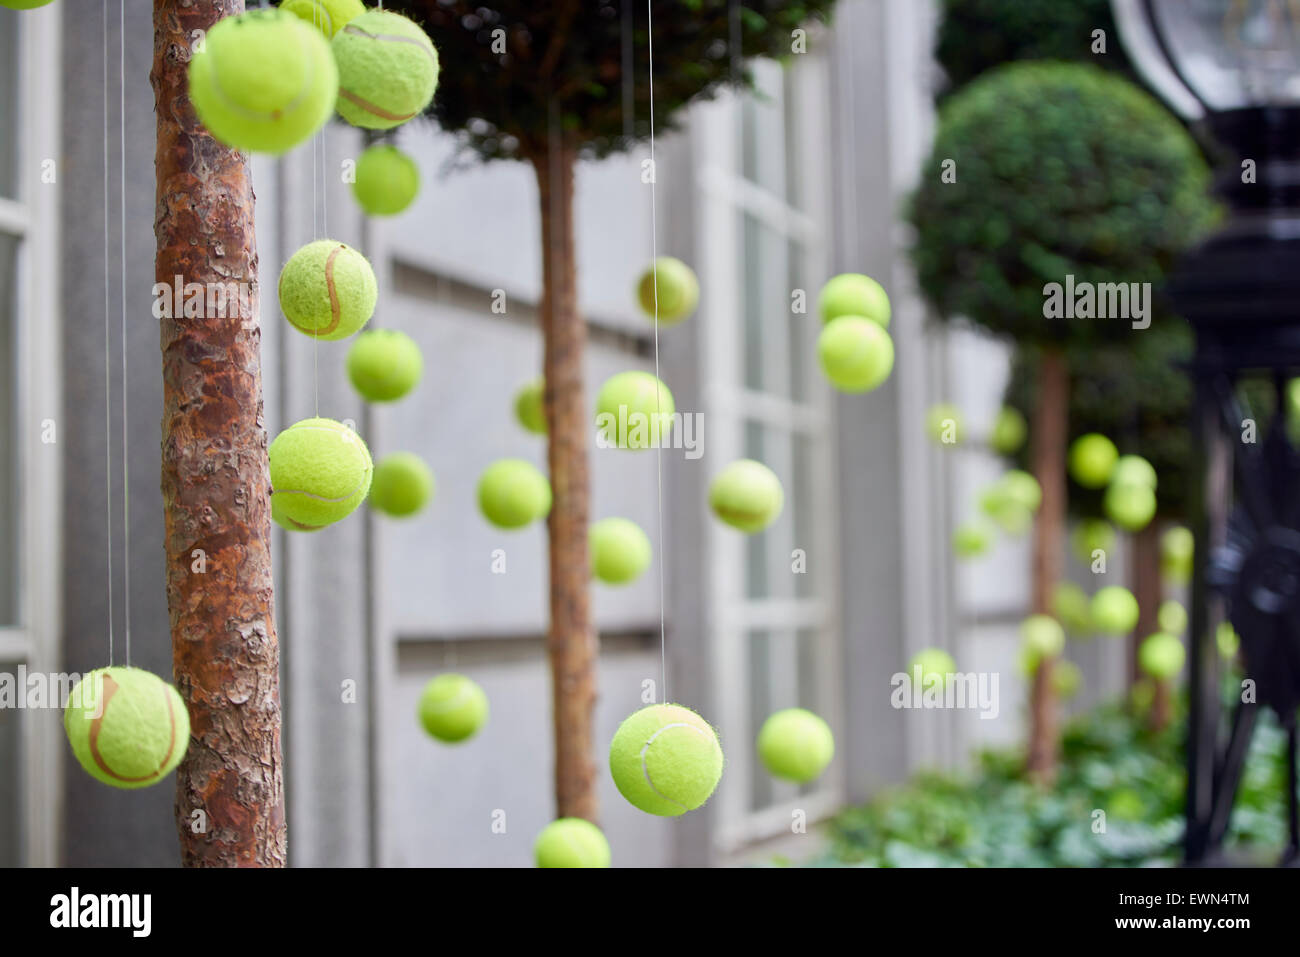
pixel 1148 590
pixel 1049 437
pixel 215 480
pixel 571 643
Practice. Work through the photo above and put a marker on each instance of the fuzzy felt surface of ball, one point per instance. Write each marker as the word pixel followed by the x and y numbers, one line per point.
pixel 327 16
pixel 1131 506
pixel 1114 610
pixel 856 354
pixel 387 68
pixel 1092 460
pixel 796 745
pixel 387 181
pixel 328 290
pixel 127 727
pixel 513 493
pixel 747 495
pixel 1172 617
pixel 384 365
pixel 620 551
pixel 452 708
pixel 853 294
pixel 530 406
pixel 402 485
pixel 264 81
pixel 634 410
pixel 1162 656
pixel 571 842
pixel 665 759
pixel 1134 469
pixel 931 666
pixel 320 472
pixel 678 290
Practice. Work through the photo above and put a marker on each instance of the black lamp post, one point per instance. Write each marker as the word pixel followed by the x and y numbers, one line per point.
pixel 1235 64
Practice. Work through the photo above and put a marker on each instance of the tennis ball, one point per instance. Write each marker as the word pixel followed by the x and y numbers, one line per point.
pixel 388 70
pixel 1022 488
pixel 530 406
pixel 402 485
pixel 384 365
pixel 328 16
pixel 1092 535
pixel 1092 460
pixel 1131 507
pixel 1067 679
pixel 856 354
pixel 1134 469
pixel 1008 432
pixel 747 495
pixel 452 708
pixel 678 290
pixel 1041 637
pixel 264 81
pixel 853 294
pixel 571 842
pixel 796 745
pixel 1161 656
pixel 320 472
pixel 971 539
pixel 665 759
pixel 931 666
pixel 328 290
pixel 1008 513
pixel 620 551
pixel 387 181
pixel 1177 548
pixel 1071 607
pixel 633 409
pixel 1172 617
pixel 1114 610
pixel 24 4
pixel 943 423
pixel 1227 640
pixel 513 493
pixel 127 727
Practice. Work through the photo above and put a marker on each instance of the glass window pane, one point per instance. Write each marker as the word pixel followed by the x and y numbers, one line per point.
pixel 8 445
pixel 760 706
pixel 8 102
pixel 765 307
pixel 803 329
pixel 762 129
pixel 756 546
pixel 10 779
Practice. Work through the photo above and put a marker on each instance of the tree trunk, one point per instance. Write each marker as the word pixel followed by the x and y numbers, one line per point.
pixel 215 480
pixel 572 643
pixel 1051 420
pixel 1148 590
pixel 1162 705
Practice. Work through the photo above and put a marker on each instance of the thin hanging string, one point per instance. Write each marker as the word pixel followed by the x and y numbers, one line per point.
pixel 126 477
pixel 658 431
pixel 108 373
pixel 319 138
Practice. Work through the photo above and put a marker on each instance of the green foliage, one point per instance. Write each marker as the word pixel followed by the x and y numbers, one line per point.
pixel 563 66
pixel 1051 180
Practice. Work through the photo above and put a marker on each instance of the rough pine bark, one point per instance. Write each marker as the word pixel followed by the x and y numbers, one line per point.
pixel 215 480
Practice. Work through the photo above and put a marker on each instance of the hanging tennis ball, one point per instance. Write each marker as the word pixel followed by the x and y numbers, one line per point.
pixel 530 406
pixel 1134 470
pixel 513 493
pixel 1022 488
pixel 1067 679
pixel 943 424
pixel 620 551
pixel 384 365
pixel 1172 617
pixel 387 181
pixel 320 472
pixel 1131 507
pixel 263 81
pixel 1092 535
pixel 1227 640
pixel 971 539
pixel 932 666
pixel 24 4
pixel 328 16
pixel 1161 656
pixel 1009 431
pixel 452 708
pixel 387 70
pixel 571 842
pixel 633 410
pixel 1114 610
pixel 747 495
pixel 856 354
pixel 1071 606
pixel 402 485
pixel 678 291
pixel 665 759
pixel 328 290
pixel 1041 637
pixel 1008 512
pixel 1177 547
pixel 1092 460
pixel 853 294
pixel 796 745
pixel 127 727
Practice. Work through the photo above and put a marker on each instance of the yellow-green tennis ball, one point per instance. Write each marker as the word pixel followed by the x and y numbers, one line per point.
pixel 402 485
pixel 853 294
pixel 452 708
pixel 320 473
pixel 328 290
pixel 387 181
pixel 1134 469
pixel 620 551
pixel 1071 606
pixel 665 759
pixel 388 70
pixel 930 667
pixel 1009 431
pixel 571 842
pixel 856 354
pixel 796 745
pixel 1227 640
pixel 1172 617
pixel 747 495
pixel 1161 656
pixel 127 727
pixel 1114 610
pixel 1021 487
pixel 24 4
pixel 1092 460
pixel 1008 513
pixel 633 411
pixel 264 81
pixel 328 16
pixel 530 406
pixel 971 539
pixel 513 493
pixel 1042 637
pixel 1092 535
pixel 1067 679
pixel 1177 547
pixel 943 423
pixel 678 290
pixel 1131 507
pixel 384 365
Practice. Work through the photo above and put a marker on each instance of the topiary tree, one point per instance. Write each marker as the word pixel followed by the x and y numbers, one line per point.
pixel 1035 177
pixel 546 84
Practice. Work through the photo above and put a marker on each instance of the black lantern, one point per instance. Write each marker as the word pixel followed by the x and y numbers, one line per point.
pixel 1235 65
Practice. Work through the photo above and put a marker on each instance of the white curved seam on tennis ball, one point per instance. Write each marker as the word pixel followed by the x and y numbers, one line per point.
pixel 645 772
pixel 288 107
pixel 355 30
